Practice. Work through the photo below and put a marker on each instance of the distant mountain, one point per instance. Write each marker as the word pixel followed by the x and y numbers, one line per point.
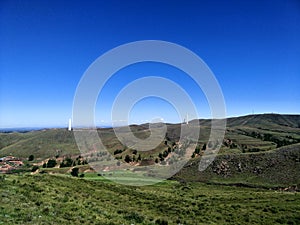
pixel 266 121
pixel 252 131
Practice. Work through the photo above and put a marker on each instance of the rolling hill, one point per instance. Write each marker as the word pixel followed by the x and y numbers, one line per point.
pixel 262 148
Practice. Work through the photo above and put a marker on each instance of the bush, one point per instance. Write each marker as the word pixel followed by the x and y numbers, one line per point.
pixel 133 216
pixel 197 150
pixel 31 158
pixel 128 159
pixel 75 172
pixel 66 162
pixel 34 168
pixel 161 222
pixel 51 163
pixel 165 154
pixel 118 151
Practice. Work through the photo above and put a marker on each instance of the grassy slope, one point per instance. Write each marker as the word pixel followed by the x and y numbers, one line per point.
pixel 278 167
pixel 49 199
pixel 42 144
pixel 45 144
pixel 271 168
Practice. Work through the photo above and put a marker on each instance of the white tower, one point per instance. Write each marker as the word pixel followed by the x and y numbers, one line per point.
pixel 70 125
pixel 187 119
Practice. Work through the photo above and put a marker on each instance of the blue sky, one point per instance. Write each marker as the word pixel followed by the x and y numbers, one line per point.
pixel 252 47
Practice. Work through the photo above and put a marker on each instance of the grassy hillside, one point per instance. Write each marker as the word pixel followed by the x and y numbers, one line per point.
pixel 42 144
pixel 251 133
pixel 280 167
pixel 256 149
pixel 50 199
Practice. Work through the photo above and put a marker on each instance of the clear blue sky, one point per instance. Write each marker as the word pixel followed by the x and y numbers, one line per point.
pixel 252 47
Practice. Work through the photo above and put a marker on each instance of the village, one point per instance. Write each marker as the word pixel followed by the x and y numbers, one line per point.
pixel 9 163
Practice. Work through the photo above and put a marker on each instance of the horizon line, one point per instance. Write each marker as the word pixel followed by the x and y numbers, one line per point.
pixel 105 124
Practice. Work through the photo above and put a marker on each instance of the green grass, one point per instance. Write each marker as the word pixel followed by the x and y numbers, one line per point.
pixel 53 199
pixel 42 144
pixel 123 177
pixel 46 144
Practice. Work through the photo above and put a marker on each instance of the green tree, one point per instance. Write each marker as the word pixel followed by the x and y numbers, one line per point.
pixel 139 158
pixel 75 172
pixel 31 158
pixel 118 151
pixel 160 155
pixel 34 168
pixel 197 150
pixel 165 154
pixel 66 162
pixel 128 159
pixel 51 163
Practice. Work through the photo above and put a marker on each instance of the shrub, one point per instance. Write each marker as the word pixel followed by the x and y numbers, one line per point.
pixel 34 168
pixel 75 172
pixel 128 159
pixel 51 163
pixel 197 150
pixel 133 216
pixel 161 222
pixel 66 162
pixel 31 158
pixel 165 154
pixel 118 151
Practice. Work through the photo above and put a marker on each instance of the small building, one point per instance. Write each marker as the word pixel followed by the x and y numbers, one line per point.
pixel 9 163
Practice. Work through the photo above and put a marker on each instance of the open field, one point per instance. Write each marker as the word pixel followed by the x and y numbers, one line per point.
pixel 58 199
